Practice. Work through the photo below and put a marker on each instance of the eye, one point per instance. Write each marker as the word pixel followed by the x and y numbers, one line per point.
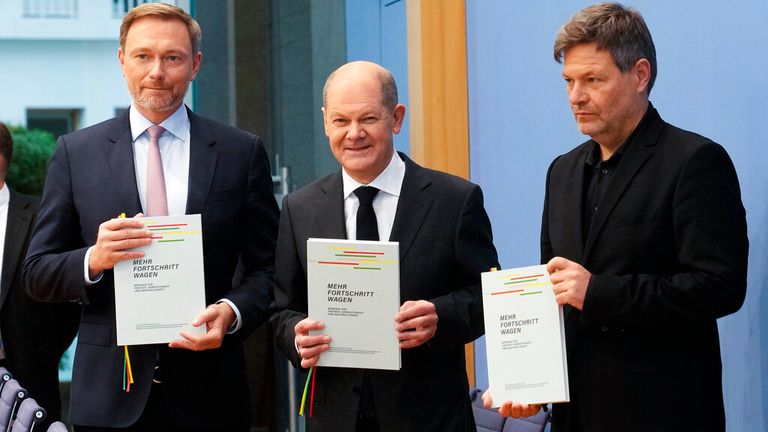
pixel 173 58
pixel 142 57
pixel 340 121
pixel 370 119
pixel 593 80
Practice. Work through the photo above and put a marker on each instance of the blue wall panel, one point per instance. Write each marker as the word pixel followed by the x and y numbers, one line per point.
pixel 376 31
pixel 711 81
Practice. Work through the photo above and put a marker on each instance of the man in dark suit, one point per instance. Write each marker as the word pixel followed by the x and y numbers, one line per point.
pixel 34 335
pixel 445 242
pixel 200 166
pixel 645 238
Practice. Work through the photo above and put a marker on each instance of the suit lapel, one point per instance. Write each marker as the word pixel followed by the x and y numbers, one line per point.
pixel 571 198
pixel 637 154
pixel 328 209
pixel 203 155
pixel 412 206
pixel 119 155
pixel 19 220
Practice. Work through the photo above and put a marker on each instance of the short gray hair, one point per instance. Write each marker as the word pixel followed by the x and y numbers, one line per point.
pixel 618 29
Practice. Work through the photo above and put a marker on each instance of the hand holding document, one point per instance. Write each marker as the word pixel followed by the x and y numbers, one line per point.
pixel 161 293
pixel 525 338
pixel 354 291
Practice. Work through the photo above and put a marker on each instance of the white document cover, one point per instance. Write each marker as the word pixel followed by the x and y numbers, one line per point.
pixel 525 337
pixel 159 295
pixel 354 288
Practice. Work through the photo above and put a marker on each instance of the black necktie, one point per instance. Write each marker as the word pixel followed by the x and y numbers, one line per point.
pixel 367 228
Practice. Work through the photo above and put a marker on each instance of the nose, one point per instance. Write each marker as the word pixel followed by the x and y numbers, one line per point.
pixel 577 95
pixel 156 70
pixel 355 131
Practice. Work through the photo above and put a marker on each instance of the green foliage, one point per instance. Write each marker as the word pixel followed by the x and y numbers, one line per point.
pixel 31 151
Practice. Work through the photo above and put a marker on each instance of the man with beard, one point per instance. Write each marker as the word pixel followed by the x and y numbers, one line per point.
pixel 157 159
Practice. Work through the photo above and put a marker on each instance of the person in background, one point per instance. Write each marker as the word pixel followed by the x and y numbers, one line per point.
pixel 33 335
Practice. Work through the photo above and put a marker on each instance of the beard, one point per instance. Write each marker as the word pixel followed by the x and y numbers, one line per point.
pixel 162 102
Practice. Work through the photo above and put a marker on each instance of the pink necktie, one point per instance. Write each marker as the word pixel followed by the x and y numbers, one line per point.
pixel 157 201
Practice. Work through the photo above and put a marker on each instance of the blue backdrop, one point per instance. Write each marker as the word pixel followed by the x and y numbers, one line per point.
pixel 711 80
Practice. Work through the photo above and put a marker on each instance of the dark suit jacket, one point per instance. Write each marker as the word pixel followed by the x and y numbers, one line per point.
pixel 91 179
pixel 445 242
pixel 35 334
pixel 668 254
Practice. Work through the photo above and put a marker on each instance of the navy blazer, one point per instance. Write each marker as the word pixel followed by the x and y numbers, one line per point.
pixel 445 243
pixel 35 335
pixel 91 179
pixel 668 256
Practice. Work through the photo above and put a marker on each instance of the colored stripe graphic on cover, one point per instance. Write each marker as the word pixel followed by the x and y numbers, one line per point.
pixel 161 231
pixel 523 285
pixel 355 259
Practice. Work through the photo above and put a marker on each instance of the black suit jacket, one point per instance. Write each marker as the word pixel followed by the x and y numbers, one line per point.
pixel 445 242
pixel 91 179
pixel 35 335
pixel 668 256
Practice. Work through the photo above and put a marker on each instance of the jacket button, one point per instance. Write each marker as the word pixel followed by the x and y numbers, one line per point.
pixel 604 328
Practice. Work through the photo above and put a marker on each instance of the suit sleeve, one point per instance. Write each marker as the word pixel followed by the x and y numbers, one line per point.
pixel 257 244
pixel 53 269
pixel 290 301
pixel 710 235
pixel 460 312
pixel 546 244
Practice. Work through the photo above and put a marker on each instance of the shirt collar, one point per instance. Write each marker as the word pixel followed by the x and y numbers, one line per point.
pixel 390 180
pixel 5 195
pixel 594 157
pixel 177 124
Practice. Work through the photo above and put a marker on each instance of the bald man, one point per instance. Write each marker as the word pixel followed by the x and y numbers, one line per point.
pixel 445 242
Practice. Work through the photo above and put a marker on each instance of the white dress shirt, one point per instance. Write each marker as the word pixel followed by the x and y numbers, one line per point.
pixel 174 151
pixel 389 183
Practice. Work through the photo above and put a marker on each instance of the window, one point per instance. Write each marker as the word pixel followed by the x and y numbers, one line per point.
pixel 56 121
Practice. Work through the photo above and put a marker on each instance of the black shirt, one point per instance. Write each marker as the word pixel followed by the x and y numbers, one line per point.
pixel 597 177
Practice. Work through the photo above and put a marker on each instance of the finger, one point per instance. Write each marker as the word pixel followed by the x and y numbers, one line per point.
pixel 557 263
pixel 208 315
pixel 418 323
pixel 310 341
pixel 125 245
pixel 306 325
pixel 309 362
pixel 120 223
pixel 411 309
pixel 313 351
pixel 505 409
pixel 487 400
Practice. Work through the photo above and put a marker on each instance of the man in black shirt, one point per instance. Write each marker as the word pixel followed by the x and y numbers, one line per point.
pixel 644 235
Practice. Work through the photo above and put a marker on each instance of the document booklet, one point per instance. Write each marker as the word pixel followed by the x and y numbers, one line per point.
pixel 353 287
pixel 160 294
pixel 524 336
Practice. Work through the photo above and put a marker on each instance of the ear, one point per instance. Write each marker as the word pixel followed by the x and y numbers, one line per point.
pixel 196 64
pixel 398 116
pixel 326 121
pixel 642 73
pixel 121 57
